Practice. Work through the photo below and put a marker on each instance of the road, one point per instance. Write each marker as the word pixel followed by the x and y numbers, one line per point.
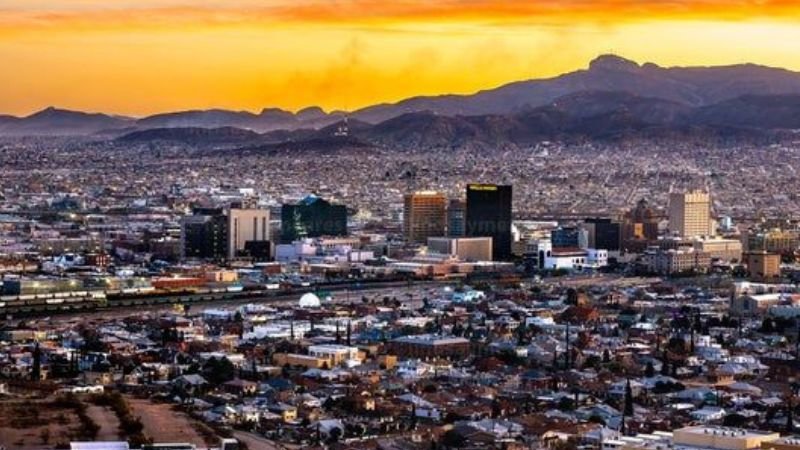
pixel 257 442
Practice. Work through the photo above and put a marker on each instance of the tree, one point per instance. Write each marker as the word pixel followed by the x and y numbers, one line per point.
pixel 606 356
pixel 572 297
pixel 734 420
pixel 334 434
pixel 649 370
pixel 218 371
pixel 628 399
pixel 567 353
pixel 452 439
pixel 36 370
pixel 566 404
pixel 349 332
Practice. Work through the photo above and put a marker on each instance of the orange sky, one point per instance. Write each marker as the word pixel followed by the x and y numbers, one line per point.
pixel 142 56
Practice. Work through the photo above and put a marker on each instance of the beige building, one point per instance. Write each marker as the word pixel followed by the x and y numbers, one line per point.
pixel 763 265
pixel 754 304
pixel 246 225
pixel 424 216
pixel 690 214
pixel 722 438
pixel 722 249
pixel 335 354
pixel 295 359
pixel 465 249
pixel 667 262
pixel 784 443
pixel 773 241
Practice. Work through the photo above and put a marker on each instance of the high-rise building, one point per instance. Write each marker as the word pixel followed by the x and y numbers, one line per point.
pixel 690 214
pixel 312 217
pixel 456 218
pixel 639 224
pixel 204 234
pixel 489 215
pixel 424 216
pixel 603 234
pixel 246 226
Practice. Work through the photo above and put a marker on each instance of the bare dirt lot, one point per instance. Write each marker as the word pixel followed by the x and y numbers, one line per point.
pixel 40 424
pixel 163 424
pixel 106 420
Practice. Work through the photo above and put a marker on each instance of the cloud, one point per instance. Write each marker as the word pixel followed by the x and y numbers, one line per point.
pixel 381 12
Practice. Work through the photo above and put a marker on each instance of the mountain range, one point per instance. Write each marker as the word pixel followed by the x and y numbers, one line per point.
pixel 612 97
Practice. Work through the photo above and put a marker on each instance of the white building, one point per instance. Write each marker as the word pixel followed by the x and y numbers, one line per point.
pixel 337 354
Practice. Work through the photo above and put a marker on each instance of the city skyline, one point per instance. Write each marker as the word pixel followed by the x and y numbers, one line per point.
pixel 138 58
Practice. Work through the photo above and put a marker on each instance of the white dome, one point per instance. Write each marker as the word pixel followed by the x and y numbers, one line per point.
pixel 309 300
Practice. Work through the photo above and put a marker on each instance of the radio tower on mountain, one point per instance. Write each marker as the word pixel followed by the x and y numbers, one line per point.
pixel 343 130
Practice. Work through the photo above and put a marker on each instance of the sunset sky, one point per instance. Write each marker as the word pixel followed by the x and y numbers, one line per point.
pixel 142 56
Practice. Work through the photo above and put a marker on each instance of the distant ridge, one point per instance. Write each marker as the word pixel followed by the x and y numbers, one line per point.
pixel 724 96
pixel 192 135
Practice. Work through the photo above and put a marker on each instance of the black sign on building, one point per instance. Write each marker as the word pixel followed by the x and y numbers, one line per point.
pixel 489 215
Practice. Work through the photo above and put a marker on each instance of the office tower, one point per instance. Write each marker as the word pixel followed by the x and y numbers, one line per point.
pixel 456 218
pixel 603 234
pixel 489 215
pixel 424 216
pixel 204 234
pixel 246 226
pixel 312 217
pixel 690 214
pixel 640 223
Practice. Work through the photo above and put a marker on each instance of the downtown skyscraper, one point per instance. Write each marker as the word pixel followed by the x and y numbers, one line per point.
pixel 489 214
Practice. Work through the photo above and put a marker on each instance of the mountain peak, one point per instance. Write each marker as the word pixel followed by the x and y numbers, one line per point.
pixel 52 111
pixel 311 113
pixel 613 62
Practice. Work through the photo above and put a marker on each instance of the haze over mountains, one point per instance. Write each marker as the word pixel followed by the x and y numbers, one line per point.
pixel 612 97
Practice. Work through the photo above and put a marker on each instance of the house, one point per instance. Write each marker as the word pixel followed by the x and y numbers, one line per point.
pixel 241 387
pixel 288 413
pixel 708 414
pixel 191 384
